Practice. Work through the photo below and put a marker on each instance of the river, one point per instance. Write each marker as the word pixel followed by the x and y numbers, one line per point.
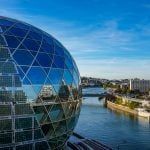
pixel 117 129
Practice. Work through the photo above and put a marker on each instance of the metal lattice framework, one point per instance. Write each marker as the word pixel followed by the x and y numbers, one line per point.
pixel 39 89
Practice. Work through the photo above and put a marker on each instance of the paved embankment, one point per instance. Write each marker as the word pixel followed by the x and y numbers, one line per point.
pixel 120 107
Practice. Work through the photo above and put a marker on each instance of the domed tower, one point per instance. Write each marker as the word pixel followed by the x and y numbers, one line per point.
pixel 39 89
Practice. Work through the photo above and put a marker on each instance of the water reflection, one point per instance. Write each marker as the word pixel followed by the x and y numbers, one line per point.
pixel 117 129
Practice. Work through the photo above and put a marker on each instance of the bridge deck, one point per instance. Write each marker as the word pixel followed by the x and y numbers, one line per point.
pixel 77 142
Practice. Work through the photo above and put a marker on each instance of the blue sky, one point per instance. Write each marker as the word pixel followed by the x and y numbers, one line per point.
pixel 107 38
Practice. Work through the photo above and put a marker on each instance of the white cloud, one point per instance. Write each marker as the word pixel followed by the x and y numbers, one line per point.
pixel 86 42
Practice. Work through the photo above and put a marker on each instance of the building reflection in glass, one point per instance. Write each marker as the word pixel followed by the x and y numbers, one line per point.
pixel 39 89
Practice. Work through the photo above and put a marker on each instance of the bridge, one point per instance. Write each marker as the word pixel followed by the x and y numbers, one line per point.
pixel 102 95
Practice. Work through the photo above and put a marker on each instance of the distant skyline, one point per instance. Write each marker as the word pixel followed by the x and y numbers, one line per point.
pixel 107 38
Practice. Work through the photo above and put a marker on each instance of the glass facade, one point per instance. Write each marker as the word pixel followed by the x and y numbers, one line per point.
pixel 39 89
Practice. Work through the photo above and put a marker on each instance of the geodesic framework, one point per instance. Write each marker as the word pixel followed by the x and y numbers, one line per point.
pixel 39 89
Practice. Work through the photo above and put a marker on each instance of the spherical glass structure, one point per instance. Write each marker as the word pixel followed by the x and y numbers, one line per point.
pixel 39 89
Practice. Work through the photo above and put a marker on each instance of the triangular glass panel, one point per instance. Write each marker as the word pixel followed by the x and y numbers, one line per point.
pixel 39 42
pixel 34 35
pixel 18 32
pixel 35 123
pixel 12 41
pixel 21 47
pixel 44 60
pixel 6 22
pixel 76 78
pixel 35 63
pixel 53 143
pixel 37 89
pixel 20 39
pixel 38 100
pixel 62 139
pixel 68 62
pixel 65 67
pixel 26 81
pixel 61 128
pixel 48 39
pixel 74 108
pixel 48 130
pixel 57 99
pixel 47 70
pixel 1 30
pixel 67 77
pixel 24 68
pixel 41 50
pixel 3 43
pixel 56 88
pixel 33 53
pixel 69 109
pixel 23 57
pixel 36 75
pixel 48 48
pixel 55 124
pixel 56 113
pixel 54 93
pixel 75 91
pixel 40 113
pixel 77 110
pixel 21 74
pixel 59 50
pixel 55 75
pixel 71 96
pixel 48 107
pixel 43 145
pixel 66 107
pixel 12 50
pixel 64 92
pixel 71 122
pixel 31 44
pixel 53 65
pixel 31 95
pixel 22 26
pixel 51 56
pixel 48 82
pixel 4 28
pixel 8 33
pixel 38 134
pixel 47 120
pixel 59 61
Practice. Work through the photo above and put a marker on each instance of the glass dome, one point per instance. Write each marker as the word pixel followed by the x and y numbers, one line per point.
pixel 39 88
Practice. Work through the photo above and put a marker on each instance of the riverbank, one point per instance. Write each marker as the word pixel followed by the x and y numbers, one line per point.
pixel 116 129
pixel 127 109
pixel 121 107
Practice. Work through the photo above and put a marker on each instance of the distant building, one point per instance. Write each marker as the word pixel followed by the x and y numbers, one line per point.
pixel 124 85
pixel 141 85
pixel 115 82
pixel 84 81
pixel 46 91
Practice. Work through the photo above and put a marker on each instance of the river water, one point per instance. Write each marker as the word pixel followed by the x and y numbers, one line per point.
pixel 117 129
